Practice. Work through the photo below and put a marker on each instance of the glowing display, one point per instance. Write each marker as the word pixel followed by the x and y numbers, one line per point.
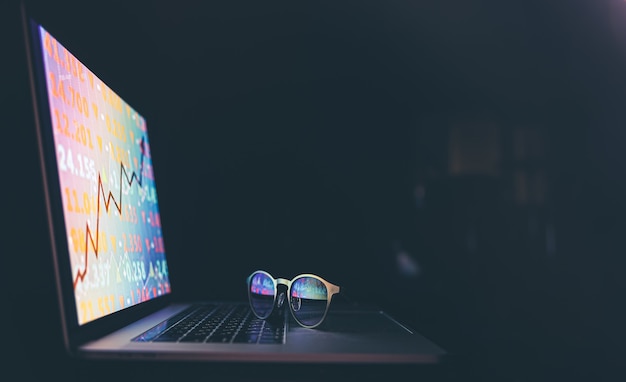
pixel 116 249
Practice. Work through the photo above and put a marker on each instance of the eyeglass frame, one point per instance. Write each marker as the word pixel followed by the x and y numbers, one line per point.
pixel 331 290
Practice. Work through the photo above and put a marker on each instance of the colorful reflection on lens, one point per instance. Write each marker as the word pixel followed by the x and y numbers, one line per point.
pixel 309 288
pixel 262 284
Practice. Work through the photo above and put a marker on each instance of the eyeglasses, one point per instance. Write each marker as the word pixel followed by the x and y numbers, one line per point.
pixel 308 296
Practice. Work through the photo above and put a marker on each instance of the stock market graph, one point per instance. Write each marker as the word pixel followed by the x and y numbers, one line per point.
pixel 112 219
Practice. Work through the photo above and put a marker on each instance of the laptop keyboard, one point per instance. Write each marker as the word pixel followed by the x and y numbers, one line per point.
pixel 216 323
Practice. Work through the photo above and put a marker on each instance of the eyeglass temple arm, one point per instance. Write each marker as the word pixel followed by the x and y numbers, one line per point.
pixel 333 289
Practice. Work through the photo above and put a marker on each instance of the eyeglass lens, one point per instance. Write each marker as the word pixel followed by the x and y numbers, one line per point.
pixel 308 300
pixel 262 293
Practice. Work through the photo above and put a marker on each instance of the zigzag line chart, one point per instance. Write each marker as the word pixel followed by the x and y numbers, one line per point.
pixel 106 198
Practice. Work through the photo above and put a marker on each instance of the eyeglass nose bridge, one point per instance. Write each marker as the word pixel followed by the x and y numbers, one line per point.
pixel 285 282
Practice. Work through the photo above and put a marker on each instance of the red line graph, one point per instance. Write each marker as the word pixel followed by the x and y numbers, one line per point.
pixel 92 242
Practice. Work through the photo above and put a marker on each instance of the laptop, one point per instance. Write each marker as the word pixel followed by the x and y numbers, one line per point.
pixel 111 262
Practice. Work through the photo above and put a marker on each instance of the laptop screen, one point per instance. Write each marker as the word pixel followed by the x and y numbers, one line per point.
pixel 110 208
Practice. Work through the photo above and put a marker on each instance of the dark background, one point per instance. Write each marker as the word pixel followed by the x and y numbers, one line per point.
pixel 458 163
